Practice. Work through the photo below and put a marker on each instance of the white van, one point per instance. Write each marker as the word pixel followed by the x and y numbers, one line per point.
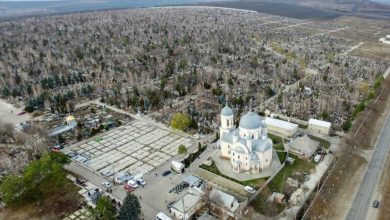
pixel 162 216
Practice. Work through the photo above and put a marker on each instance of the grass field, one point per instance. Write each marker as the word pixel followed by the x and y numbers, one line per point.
pixel 277 184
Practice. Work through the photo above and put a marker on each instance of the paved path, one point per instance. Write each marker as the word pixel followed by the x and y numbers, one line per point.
pixel 363 200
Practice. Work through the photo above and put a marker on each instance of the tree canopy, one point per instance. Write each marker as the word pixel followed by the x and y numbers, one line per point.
pixel 182 149
pixel 131 209
pixel 181 121
pixel 104 209
pixel 41 177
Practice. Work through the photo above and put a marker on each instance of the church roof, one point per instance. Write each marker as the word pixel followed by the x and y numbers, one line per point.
pixel 242 141
pixel 254 157
pixel 251 120
pixel 227 111
pixel 239 149
pixel 261 145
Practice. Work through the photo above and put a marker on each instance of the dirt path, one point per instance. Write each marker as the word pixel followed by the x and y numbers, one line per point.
pixel 8 113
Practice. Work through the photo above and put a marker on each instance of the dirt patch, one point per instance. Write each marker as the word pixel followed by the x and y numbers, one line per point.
pixel 56 206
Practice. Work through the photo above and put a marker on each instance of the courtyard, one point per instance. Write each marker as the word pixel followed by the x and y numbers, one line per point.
pixel 136 147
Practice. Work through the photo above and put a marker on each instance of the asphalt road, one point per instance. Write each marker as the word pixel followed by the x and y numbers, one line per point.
pixel 363 199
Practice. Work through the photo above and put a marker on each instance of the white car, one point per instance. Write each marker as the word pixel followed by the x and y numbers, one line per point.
pixel 141 182
pixel 132 183
pixel 107 184
pixel 250 189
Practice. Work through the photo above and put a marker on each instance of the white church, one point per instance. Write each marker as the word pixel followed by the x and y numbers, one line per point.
pixel 248 146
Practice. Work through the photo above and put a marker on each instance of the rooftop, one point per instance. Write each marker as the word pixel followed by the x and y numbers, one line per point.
pixel 227 111
pixel 186 203
pixel 320 123
pixel 280 123
pixel 224 199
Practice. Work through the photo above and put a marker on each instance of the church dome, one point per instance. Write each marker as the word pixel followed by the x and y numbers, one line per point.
pixel 227 111
pixel 250 120
pixel 70 118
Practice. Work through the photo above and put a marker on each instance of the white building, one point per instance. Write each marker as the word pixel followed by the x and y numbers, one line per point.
pixel 186 207
pixel 280 127
pixel 322 127
pixel 385 40
pixel 248 147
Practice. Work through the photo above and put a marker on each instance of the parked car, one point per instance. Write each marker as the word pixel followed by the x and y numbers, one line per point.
pixel 166 173
pixel 122 177
pixel 107 184
pixel 55 149
pixel 81 181
pixel 250 189
pixel 59 145
pixel 375 204
pixel 129 188
pixel 71 154
pixel 141 182
pixel 132 183
pixel 22 113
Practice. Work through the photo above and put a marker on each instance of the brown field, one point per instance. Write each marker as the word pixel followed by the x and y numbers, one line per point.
pixel 378 51
pixel 362 29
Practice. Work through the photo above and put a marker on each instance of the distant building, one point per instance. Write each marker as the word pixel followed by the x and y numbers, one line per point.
pixel 248 146
pixel 186 207
pixel 321 127
pixel 280 127
pixel 303 147
pixel 385 40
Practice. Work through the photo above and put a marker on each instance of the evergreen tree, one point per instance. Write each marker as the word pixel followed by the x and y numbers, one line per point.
pixel 131 209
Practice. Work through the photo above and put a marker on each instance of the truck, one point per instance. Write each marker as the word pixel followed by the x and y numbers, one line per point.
pixel 177 166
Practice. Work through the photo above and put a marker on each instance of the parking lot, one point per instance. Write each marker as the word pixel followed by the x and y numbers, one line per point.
pixel 137 147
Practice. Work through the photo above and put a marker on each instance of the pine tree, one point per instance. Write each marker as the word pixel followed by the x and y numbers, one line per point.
pixel 131 209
